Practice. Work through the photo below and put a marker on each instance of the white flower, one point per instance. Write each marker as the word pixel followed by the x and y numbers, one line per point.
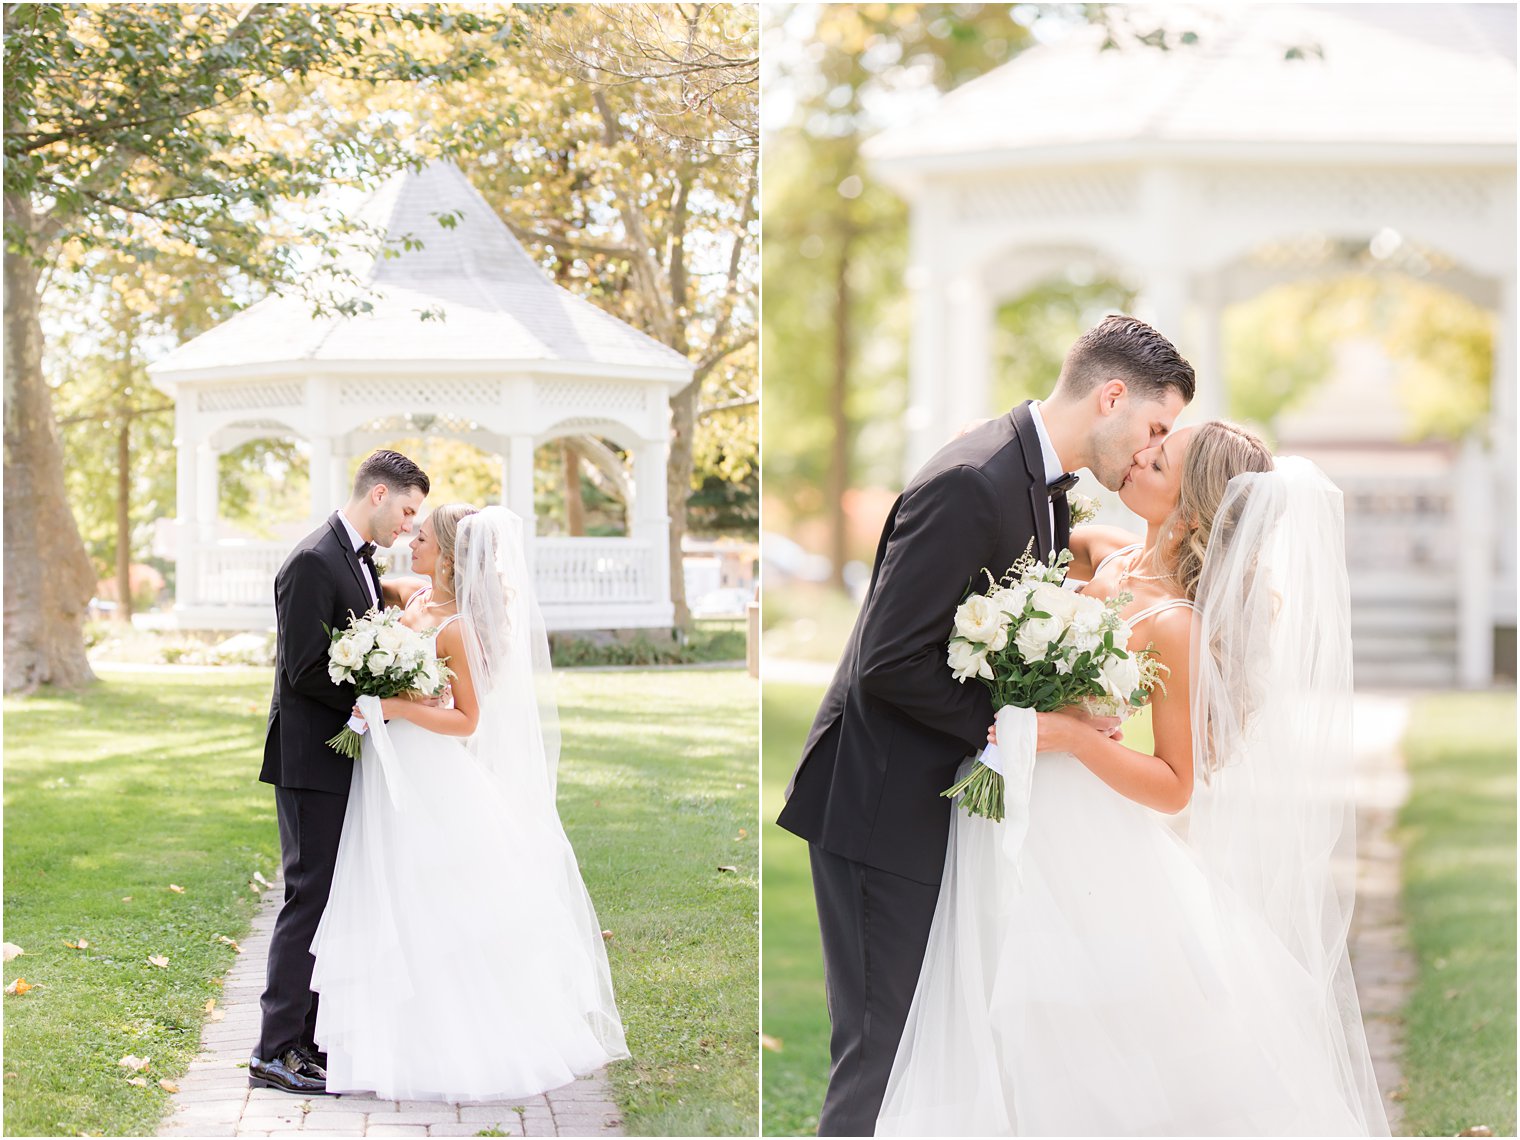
pixel 1034 637
pixel 337 674
pixel 967 660
pixel 345 654
pixel 1083 509
pixel 1120 677
pixel 1086 630
pixel 379 660
pixel 429 679
pixel 391 637
pixel 412 653
pixel 978 620
pixel 1060 603
pixel 1010 599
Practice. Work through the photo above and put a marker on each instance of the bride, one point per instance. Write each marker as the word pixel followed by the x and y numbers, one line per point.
pixel 459 957
pixel 1111 978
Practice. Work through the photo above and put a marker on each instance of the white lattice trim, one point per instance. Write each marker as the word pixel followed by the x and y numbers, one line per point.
pixel 588 396
pixel 1026 196
pixel 417 392
pixel 240 397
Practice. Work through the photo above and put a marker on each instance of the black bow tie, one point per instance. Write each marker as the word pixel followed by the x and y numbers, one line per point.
pixel 367 551
pixel 1060 486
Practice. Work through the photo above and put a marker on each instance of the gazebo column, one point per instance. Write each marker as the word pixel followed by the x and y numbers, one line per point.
pixel 651 513
pixel 187 590
pixel 1212 400
pixel 320 469
pixel 969 315
pixel 208 492
pixel 1502 457
pixel 928 361
pixel 518 491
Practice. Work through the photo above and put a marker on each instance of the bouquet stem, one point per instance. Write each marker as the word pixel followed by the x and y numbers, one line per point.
pixel 981 792
pixel 347 743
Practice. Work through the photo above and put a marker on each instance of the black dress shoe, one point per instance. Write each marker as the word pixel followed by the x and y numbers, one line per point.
pixel 314 1061
pixel 289 1072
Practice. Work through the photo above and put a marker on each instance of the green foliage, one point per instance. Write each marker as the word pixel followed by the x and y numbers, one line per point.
pixel 1458 829
pixel 709 641
pixel 1034 330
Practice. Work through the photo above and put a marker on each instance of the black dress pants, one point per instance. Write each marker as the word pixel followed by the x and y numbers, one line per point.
pixel 311 823
pixel 875 928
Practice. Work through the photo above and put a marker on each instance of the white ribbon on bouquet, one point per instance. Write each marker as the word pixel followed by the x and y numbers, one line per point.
pixel 385 748
pixel 1012 758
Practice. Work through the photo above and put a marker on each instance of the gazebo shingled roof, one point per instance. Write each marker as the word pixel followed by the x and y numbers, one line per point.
pixel 495 303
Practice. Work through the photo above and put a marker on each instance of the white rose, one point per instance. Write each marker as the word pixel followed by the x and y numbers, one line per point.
pixel 1033 638
pixel 1120 677
pixel 391 637
pixel 429 679
pixel 363 639
pixel 344 654
pixel 1060 603
pixel 379 660
pixel 337 674
pixel 1010 599
pixel 1087 627
pixel 978 620
pixel 412 653
pixel 967 660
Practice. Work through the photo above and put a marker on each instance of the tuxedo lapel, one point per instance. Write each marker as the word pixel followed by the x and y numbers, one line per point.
pixel 1034 463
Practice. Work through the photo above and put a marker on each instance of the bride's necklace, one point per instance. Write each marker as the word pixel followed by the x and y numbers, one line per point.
pixel 1128 574
pixel 432 605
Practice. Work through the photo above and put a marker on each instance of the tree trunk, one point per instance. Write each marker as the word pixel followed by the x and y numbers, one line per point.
pixel 124 519
pixel 575 505
pixel 839 389
pixel 48 576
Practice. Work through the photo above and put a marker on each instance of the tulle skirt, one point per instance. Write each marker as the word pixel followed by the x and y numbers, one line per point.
pixel 459 957
pixel 1104 988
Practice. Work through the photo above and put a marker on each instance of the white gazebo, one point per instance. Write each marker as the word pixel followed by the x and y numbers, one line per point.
pixel 466 337
pixel 1212 171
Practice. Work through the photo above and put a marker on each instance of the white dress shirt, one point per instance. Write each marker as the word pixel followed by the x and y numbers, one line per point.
pixel 1053 468
pixel 356 540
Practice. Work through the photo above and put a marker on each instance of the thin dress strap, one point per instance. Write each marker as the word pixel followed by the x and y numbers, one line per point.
pixel 1170 604
pixel 445 622
pixel 1098 569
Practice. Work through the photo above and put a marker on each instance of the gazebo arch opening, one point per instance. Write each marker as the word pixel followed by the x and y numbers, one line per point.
pixel 583 489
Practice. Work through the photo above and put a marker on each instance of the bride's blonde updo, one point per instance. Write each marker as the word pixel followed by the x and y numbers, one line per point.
pixel 446 520
pixel 1216 453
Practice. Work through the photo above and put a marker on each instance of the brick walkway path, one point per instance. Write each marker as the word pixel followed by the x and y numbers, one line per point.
pixel 1380 955
pixel 215 1100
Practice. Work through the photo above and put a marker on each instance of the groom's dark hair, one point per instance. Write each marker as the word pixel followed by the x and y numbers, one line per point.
pixel 393 469
pixel 1120 347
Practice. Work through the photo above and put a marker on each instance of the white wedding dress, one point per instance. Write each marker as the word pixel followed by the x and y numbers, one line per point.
pixel 1109 978
pixel 459 957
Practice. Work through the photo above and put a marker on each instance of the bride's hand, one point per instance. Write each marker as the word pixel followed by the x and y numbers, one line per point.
pixel 1051 731
pixel 396 708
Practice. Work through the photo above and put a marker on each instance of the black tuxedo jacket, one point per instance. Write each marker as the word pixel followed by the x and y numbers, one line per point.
pixel 321 581
pixel 894 723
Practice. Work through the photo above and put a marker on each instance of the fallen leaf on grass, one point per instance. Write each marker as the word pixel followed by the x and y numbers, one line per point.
pixel 225 941
pixel 218 1014
pixel 210 1004
pixel 743 834
pixel 261 881
pixel 606 936
pixel 158 960
pixel 126 898
pixel 168 1086
pixel 176 888
pixel 730 870
pixel 139 1082
pixel 13 951
pixel 19 987
pixel 80 945
pixel 771 1043
pixel 1477 1130
pixel 136 1064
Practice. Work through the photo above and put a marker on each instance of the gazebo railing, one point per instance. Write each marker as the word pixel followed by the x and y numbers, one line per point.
pixel 578 572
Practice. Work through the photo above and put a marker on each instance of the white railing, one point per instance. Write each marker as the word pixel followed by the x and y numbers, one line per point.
pixel 567 571
pixel 238 574
pixel 593 571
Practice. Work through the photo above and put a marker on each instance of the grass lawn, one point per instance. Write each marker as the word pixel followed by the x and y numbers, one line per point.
pixel 794 1012
pixel 1458 830
pixel 150 779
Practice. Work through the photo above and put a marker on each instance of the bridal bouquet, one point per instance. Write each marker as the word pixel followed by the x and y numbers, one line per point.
pixel 383 658
pixel 1037 645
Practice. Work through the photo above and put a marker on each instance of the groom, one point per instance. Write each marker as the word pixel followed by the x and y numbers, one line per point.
pixel 894 725
pixel 328 576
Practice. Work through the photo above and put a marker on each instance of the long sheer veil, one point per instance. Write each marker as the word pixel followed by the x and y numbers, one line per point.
pixel 1273 813
pixel 507 645
pixel 517 738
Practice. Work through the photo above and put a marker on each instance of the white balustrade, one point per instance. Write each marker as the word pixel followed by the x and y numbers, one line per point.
pixel 238 574
pixel 591 571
